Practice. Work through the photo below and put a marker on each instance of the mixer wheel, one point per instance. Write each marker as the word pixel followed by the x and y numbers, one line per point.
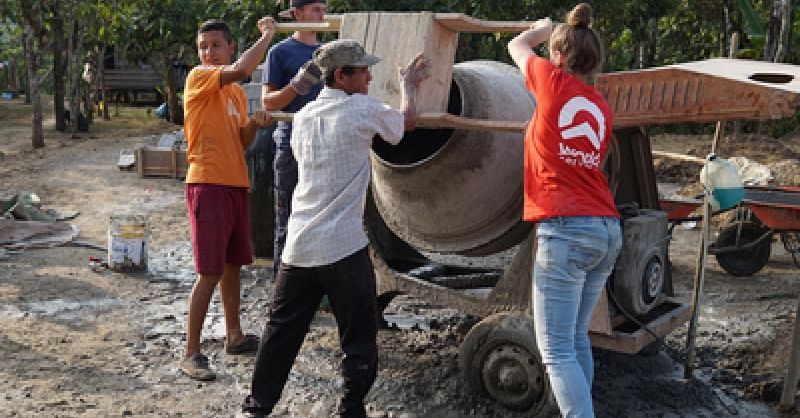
pixel 499 358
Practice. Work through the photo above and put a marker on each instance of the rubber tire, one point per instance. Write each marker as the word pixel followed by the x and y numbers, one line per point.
pixel 743 263
pixel 503 328
pixel 629 289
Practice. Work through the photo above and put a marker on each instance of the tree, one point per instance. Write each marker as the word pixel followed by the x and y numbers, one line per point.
pixel 161 33
pixel 778 31
pixel 34 34
pixel 59 63
pixel 11 51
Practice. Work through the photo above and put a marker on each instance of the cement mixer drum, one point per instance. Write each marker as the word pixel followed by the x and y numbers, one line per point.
pixel 460 191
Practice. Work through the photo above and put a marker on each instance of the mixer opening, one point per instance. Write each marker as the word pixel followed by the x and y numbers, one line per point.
pixel 419 145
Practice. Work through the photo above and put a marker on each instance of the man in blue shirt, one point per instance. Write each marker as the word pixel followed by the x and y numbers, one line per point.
pixel 288 86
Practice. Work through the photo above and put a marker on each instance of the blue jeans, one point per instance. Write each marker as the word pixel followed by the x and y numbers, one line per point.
pixel 574 257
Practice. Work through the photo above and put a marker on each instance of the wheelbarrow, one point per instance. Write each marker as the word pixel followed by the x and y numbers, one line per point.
pixel 744 245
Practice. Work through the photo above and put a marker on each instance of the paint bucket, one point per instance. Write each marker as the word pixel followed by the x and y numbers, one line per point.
pixel 127 243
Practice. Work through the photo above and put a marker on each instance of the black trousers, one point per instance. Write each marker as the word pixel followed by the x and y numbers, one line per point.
pixel 350 286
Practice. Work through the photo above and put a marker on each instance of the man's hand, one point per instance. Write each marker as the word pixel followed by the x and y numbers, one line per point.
pixel 308 76
pixel 266 25
pixel 261 118
pixel 415 71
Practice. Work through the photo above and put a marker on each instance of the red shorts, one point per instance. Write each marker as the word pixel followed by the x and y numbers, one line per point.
pixel 220 225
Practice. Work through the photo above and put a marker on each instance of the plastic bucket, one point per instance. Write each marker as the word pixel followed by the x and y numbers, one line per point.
pixel 127 243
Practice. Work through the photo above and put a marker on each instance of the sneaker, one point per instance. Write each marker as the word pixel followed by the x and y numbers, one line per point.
pixel 196 367
pixel 248 345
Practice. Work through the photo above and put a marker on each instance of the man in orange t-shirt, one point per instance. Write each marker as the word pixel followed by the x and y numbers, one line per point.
pixel 218 132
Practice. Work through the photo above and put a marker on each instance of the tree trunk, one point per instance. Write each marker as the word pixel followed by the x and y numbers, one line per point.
pixel 649 60
pixel 773 31
pixel 32 64
pixel 101 77
pixel 634 62
pixel 26 51
pixel 14 75
pixel 173 103
pixel 57 25
pixel 74 72
pixel 782 47
pixel 86 81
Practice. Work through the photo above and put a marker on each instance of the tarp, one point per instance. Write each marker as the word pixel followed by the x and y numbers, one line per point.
pixel 15 235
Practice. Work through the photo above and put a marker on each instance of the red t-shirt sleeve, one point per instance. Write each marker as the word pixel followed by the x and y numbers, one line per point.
pixel 538 71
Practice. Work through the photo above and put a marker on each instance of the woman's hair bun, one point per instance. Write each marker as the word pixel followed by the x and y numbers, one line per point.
pixel 580 16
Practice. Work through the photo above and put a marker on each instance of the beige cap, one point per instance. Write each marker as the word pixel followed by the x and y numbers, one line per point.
pixel 343 53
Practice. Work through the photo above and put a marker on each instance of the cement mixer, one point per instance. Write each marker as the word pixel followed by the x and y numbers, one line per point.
pixel 460 192
pixel 454 186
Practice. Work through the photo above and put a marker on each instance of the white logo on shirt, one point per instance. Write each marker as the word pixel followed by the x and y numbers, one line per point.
pixel 233 112
pixel 570 155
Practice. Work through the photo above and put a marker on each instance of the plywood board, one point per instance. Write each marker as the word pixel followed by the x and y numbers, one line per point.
pixel 397 38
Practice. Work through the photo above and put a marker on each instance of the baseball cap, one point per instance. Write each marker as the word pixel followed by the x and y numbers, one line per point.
pixel 343 53
pixel 287 14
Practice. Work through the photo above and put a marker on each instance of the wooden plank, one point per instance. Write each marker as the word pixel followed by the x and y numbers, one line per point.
pixel 140 166
pixel 446 120
pixel 443 120
pixel 600 321
pixel 793 366
pixel 281 116
pixel 332 24
pixel 633 342
pixel 397 38
pixel 680 157
pixel 459 22
pixel 456 22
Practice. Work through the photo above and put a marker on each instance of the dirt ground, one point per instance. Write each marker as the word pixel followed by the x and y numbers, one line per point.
pixel 76 343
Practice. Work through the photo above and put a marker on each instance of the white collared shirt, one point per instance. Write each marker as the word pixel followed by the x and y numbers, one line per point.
pixel 331 141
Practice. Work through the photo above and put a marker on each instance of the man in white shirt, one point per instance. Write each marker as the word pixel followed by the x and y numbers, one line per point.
pixel 326 246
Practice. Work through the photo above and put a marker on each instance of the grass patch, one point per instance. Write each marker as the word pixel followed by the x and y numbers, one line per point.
pixel 126 121
pixel 15 112
pixel 131 121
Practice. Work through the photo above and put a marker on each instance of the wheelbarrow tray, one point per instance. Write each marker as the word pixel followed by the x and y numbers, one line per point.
pixel 678 210
pixel 777 207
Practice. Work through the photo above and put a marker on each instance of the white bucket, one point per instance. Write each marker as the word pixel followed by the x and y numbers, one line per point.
pixel 127 243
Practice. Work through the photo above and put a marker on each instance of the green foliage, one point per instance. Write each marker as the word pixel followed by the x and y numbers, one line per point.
pixel 753 23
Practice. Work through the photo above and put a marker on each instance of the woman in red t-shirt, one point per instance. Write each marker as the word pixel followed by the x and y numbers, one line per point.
pixel 567 195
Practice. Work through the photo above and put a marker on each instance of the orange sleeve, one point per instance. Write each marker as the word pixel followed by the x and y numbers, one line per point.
pixel 202 80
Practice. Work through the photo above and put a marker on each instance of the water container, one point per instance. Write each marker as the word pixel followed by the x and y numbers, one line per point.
pixel 721 178
pixel 127 243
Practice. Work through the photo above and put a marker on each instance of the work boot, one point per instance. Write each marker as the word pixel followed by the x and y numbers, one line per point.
pixel 196 366
pixel 252 409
